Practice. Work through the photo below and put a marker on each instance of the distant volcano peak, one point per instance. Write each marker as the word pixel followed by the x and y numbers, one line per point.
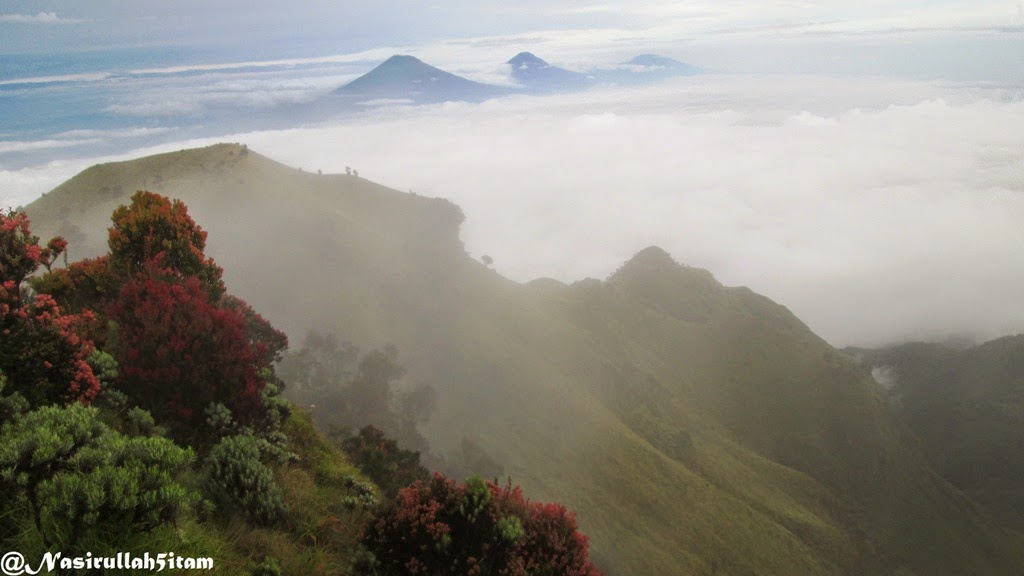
pixel 533 73
pixel 403 61
pixel 527 60
pixel 408 77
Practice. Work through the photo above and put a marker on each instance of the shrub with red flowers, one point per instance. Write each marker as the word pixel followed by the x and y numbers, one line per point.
pixel 80 286
pixel 152 227
pixel 181 343
pixel 270 341
pixel 178 353
pixel 444 528
pixel 41 351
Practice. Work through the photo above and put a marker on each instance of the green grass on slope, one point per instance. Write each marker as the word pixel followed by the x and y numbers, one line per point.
pixel 317 534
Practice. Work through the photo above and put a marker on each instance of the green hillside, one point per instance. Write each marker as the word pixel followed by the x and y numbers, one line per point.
pixel 696 428
pixel 967 408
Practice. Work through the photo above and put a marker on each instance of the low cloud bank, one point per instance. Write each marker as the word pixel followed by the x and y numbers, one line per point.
pixel 877 211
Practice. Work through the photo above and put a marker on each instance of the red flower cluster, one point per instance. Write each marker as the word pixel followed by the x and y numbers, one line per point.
pixel 179 353
pixel 442 527
pixel 42 352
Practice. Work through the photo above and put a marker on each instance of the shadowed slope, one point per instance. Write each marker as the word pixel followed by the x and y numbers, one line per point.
pixel 967 407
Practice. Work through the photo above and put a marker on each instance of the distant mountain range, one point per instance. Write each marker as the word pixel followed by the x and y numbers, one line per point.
pixel 407 79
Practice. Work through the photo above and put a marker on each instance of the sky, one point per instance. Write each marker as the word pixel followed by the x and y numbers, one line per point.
pixel 47 26
pixel 859 162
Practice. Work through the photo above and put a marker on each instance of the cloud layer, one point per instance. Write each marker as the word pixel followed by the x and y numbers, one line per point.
pixel 877 210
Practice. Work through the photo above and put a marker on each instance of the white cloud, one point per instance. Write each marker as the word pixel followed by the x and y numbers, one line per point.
pixel 12 146
pixel 21 187
pixel 40 18
pixel 91 77
pixel 876 210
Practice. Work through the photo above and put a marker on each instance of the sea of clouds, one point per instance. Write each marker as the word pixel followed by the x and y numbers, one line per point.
pixel 878 210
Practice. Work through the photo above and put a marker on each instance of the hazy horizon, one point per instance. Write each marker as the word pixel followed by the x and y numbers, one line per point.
pixel 857 163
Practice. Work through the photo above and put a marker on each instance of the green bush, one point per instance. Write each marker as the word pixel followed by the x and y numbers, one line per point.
pixel 237 480
pixel 380 458
pixel 85 482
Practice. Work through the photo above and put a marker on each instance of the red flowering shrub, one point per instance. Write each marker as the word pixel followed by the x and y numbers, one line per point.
pixel 261 333
pixel 41 352
pixel 153 228
pixel 473 528
pixel 178 353
pixel 181 344
pixel 82 285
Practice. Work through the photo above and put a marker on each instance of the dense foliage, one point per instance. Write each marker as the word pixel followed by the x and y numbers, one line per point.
pixel 86 483
pixel 41 352
pixel 442 527
pixel 380 458
pixel 181 342
pixel 154 229
pixel 148 335
pixel 179 353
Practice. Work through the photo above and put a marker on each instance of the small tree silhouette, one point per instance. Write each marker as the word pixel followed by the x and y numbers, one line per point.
pixel 487 260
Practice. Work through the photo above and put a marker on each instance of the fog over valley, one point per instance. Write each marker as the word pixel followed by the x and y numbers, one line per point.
pixel 879 194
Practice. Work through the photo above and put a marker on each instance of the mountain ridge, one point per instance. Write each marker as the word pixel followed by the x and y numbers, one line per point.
pixel 694 427
pixel 405 78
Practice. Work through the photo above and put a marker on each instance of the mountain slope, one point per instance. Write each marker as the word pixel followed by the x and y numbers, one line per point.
pixel 407 77
pixel 696 428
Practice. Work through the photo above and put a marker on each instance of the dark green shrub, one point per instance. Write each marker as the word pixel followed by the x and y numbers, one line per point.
pixel 361 495
pixel 380 458
pixel 237 480
pixel 85 482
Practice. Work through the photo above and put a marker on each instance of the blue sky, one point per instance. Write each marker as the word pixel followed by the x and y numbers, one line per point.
pixel 71 25
pixel 950 39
